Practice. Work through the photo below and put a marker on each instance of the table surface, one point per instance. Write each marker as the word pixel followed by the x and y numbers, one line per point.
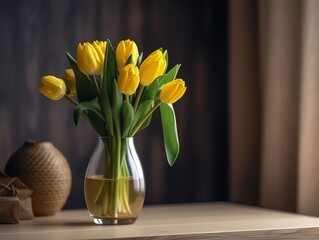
pixel 215 220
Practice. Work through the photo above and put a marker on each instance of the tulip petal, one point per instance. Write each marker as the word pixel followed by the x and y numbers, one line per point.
pixel 172 91
pixel 88 59
pixel 153 67
pixel 128 79
pixel 125 50
pixel 52 87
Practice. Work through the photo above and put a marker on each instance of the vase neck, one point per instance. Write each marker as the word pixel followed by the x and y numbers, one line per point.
pixel 114 138
pixel 109 140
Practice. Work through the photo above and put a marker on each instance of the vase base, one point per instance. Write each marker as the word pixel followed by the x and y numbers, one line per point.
pixel 113 221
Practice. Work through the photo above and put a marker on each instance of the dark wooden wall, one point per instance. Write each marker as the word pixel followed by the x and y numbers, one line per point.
pixel 34 36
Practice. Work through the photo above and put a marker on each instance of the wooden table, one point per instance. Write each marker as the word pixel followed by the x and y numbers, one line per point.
pixel 216 220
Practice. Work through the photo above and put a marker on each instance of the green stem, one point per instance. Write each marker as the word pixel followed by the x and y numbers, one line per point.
pixel 71 100
pixel 106 175
pixel 118 158
pixel 96 85
pixel 143 119
pixel 138 96
pixel 108 159
pixel 115 192
pixel 114 197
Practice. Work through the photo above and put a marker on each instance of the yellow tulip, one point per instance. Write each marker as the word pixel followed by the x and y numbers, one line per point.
pixel 88 59
pixel 128 79
pixel 152 67
pixel 52 87
pixel 124 49
pixel 100 47
pixel 172 91
pixel 69 79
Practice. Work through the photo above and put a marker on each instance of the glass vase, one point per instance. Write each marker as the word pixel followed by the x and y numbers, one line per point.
pixel 114 185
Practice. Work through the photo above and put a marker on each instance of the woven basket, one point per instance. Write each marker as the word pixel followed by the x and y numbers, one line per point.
pixel 44 169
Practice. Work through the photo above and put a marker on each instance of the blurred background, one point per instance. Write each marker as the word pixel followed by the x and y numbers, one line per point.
pixel 248 123
pixel 34 38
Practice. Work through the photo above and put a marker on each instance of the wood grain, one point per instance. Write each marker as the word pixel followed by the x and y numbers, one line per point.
pixel 215 220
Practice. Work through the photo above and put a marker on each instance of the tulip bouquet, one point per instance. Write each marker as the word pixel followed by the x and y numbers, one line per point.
pixel 117 92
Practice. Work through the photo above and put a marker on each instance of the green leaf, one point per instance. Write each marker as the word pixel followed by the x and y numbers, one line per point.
pixel 83 107
pixel 171 75
pixel 107 111
pixel 84 88
pixel 150 91
pixel 116 104
pixel 169 126
pixel 146 123
pixel 127 116
pixel 109 74
pixel 139 60
pixel 98 124
pixel 110 68
pixel 129 60
pixel 94 114
pixel 166 57
pixel 142 109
